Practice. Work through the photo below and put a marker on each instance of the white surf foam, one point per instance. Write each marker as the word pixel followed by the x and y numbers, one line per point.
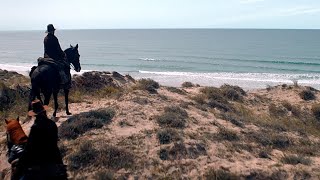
pixel 245 80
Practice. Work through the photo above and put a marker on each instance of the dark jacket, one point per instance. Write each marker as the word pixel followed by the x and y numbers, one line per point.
pixel 42 156
pixel 52 48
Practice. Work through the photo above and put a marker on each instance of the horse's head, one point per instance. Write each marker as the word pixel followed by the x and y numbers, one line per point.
pixel 73 57
pixel 15 132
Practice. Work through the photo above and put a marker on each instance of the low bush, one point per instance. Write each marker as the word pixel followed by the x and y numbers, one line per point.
pixel 233 118
pixel 316 111
pixel 295 110
pixel 104 175
pixel 233 93
pixel 83 122
pixel 296 159
pixel 180 151
pixel 176 90
pixel 277 111
pixel 213 93
pixel 226 134
pixel 86 155
pixel 187 84
pixel 114 157
pixel 199 98
pixel 104 155
pixel 222 106
pixel 173 116
pixel 273 140
pixel 147 84
pixel 307 95
pixel 168 135
pixel 220 174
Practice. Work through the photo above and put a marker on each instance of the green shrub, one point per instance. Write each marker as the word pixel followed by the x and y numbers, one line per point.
pixel 109 91
pixel 229 135
pixel 213 93
pixel 220 174
pixel 222 106
pixel 173 116
pixel 147 84
pixel 114 157
pixel 168 135
pixel 316 111
pixel 233 118
pixel 233 93
pixel 83 122
pixel 272 139
pixel 83 157
pixel 295 110
pixel 104 175
pixel 176 90
pixel 199 98
pixel 187 84
pixel 296 159
pixel 102 156
pixel 307 95
pixel 277 111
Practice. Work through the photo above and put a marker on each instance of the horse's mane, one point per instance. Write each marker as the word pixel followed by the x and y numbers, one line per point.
pixel 15 131
pixel 32 69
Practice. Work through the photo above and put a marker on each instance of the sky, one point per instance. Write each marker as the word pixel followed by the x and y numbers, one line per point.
pixel 136 14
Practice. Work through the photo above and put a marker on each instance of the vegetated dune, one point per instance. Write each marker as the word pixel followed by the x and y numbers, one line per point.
pixel 137 129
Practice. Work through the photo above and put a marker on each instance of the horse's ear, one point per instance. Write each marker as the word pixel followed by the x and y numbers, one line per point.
pixel 18 118
pixel 71 46
pixel 77 46
pixel 6 121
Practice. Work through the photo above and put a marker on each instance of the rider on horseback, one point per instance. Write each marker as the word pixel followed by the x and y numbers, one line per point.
pixel 53 51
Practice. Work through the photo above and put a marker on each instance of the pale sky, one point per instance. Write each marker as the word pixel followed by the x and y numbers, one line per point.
pixel 119 14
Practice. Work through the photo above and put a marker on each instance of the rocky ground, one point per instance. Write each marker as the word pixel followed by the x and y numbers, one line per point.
pixel 127 129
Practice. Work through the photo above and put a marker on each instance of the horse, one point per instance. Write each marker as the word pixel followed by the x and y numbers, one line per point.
pixel 45 78
pixel 16 143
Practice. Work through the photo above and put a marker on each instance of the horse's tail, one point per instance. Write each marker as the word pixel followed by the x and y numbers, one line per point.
pixel 32 69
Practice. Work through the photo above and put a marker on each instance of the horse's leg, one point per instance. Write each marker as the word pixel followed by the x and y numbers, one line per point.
pixel 31 98
pixel 47 96
pixel 55 98
pixel 66 99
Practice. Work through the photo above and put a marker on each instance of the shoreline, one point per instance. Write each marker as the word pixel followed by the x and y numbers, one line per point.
pixel 247 81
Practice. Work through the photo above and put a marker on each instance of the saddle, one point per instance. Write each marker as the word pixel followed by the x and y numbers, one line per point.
pixel 61 66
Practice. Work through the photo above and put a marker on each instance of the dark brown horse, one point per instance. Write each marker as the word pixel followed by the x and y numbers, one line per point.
pixel 45 78
pixel 16 142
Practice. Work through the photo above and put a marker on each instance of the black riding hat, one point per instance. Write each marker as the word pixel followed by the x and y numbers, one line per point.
pixel 50 28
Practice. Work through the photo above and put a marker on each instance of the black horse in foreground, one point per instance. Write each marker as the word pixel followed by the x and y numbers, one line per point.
pixel 45 79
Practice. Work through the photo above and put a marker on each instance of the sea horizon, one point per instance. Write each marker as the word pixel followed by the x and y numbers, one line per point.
pixel 250 58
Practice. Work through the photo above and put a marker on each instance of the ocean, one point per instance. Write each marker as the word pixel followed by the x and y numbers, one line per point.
pixel 250 58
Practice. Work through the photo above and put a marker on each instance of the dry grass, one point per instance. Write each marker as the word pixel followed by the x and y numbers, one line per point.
pixel 296 159
pixel 180 151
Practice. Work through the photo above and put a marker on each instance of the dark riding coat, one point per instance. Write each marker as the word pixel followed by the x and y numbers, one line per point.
pixel 42 145
pixel 52 48
pixel 41 158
